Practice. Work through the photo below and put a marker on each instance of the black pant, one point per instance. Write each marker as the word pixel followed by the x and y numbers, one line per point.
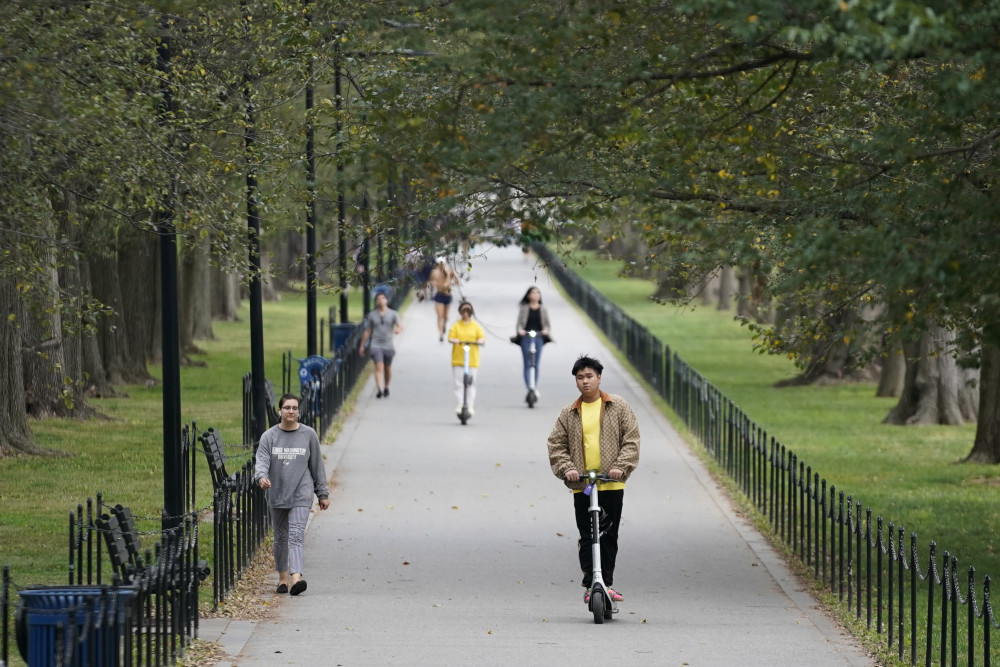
pixel 611 502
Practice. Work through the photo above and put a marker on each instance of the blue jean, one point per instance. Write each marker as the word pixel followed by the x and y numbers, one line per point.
pixel 526 356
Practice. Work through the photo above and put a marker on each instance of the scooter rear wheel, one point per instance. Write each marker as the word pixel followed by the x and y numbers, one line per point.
pixel 597 605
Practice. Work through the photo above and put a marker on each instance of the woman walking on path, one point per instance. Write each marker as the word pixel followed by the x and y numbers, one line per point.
pixel 466 330
pixel 381 325
pixel 290 467
pixel 532 316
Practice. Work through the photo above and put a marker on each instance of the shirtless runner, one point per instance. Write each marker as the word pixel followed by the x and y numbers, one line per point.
pixel 442 278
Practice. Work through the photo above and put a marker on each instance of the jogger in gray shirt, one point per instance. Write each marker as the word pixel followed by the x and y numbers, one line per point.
pixel 290 466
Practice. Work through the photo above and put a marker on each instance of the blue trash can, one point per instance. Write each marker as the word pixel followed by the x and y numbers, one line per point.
pixel 311 368
pixel 339 333
pixel 73 625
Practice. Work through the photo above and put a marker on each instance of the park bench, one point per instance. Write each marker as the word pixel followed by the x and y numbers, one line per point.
pixel 124 547
pixel 215 452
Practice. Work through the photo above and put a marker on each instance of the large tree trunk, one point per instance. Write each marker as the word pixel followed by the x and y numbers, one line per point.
pixel 936 390
pixel 268 287
pixel 97 383
pixel 138 303
pixel 892 380
pixel 986 448
pixel 195 298
pixel 113 328
pixel 753 303
pixel 225 295
pixel 15 432
pixel 49 392
pixel 726 288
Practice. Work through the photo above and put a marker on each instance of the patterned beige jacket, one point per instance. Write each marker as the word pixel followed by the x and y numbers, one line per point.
pixel 619 439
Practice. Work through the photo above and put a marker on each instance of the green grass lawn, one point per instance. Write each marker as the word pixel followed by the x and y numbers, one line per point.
pixel 120 454
pixel 911 476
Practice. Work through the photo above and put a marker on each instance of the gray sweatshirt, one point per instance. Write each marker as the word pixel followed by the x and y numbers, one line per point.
pixel 293 463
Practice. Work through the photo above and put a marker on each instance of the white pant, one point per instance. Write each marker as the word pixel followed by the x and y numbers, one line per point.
pixel 289 538
pixel 459 372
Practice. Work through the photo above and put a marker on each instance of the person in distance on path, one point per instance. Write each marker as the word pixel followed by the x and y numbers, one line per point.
pixel 380 325
pixel 290 467
pixel 466 330
pixel 597 431
pixel 532 316
pixel 442 279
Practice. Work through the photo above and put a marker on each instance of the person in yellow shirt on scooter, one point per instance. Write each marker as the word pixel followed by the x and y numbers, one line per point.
pixel 466 330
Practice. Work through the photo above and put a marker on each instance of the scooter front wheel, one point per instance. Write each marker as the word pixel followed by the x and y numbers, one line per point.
pixel 597 605
pixel 532 398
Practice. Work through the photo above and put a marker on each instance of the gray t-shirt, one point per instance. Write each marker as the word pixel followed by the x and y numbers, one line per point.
pixel 294 464
pixel 382 326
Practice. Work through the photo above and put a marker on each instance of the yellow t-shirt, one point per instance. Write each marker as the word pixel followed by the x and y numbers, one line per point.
pixel 590 415
pixel 466 332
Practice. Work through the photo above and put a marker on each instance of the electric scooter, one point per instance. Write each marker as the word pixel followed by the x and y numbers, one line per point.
pixel 601 604
pixel 464 414
pixel 532 370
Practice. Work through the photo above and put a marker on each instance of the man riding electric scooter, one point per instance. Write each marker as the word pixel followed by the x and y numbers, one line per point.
pixel 598 431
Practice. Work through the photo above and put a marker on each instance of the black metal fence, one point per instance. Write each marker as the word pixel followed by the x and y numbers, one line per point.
pixel 926 614
pixel 240 518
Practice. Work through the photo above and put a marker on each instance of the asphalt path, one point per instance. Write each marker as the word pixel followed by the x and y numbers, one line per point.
pixel 455 545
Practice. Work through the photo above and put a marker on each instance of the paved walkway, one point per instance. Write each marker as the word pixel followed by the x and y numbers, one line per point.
pixel 455 545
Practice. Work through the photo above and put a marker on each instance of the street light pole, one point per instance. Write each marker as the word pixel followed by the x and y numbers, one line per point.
pixel 259 423
pixel 341 213
pixel 310 209
pixel 173 484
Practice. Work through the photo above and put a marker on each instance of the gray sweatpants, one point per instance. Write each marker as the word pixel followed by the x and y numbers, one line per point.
pixel 289 538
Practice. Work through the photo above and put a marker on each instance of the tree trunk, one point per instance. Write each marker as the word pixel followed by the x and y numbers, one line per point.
pixel 753 303
pixel 111 328
pixel 726 288
pixel 268 287
pixel 225 295
pixel 195 298
pixel 893 377
pixel 15 432
pixel 138 303
pixel 936 390
pixel 708 290
pixel 48 391
pixel 293 255
pixel 986 448
pixel 154 346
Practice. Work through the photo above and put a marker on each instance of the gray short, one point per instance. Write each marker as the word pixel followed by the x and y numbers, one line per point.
pixel 382 355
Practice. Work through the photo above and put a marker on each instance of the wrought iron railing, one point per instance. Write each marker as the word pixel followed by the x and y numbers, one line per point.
pixel 924 614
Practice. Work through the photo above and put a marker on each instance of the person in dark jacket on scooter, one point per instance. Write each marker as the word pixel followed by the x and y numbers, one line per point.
pixel 598 431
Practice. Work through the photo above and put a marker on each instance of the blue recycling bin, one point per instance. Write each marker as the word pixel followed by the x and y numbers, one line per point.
pixel 339 333
pixel 72 625
pixel 311 367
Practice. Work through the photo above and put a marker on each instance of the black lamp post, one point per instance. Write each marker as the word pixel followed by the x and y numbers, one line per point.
pixel 310 210
pixel 173 479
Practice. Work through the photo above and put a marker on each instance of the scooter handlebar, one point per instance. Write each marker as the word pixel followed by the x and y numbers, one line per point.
pixel 595 476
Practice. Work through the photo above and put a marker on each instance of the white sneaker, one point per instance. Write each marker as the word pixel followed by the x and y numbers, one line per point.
pixel 458 409
pixel 472 411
